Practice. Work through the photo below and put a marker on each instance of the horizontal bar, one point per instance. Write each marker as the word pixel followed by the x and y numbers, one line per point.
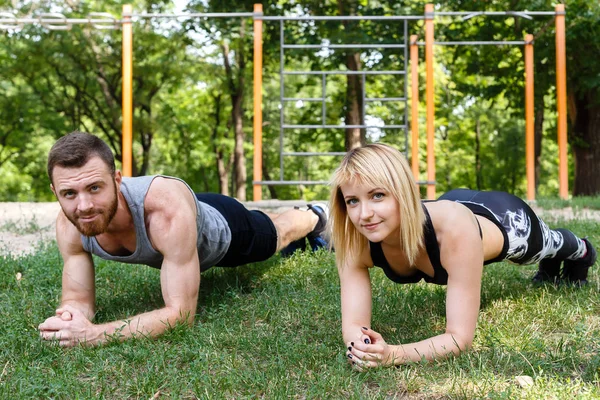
pixel 290 182
pixel 303 98
pixel 385 99
pixel 484 43
pixel 190 15
pixel 343 72
pixel 56 21
pixel 308 153
pixel 319 182
pixel 343 46
pixel 343 126
pixel 343 18
pixel 366 99
pixel 492 13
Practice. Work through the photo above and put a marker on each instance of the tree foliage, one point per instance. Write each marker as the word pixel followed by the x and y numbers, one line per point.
pixel 193 78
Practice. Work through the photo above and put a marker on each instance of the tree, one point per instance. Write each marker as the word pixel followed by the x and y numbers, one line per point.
pixel 582 78
pixel 77 74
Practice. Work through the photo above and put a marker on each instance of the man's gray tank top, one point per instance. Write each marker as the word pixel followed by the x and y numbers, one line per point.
pixel 214 235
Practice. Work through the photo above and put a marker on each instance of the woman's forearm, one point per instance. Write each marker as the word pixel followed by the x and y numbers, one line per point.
pixel 429 349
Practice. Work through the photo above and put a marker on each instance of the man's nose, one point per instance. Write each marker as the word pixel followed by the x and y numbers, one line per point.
pixel 85 202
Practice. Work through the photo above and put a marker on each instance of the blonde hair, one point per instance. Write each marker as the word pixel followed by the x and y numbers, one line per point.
pixel 377 165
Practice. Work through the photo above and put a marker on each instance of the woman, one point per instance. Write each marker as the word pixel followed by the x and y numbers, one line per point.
pixel 378 219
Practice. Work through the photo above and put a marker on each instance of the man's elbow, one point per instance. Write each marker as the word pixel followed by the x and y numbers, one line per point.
pixel 182 315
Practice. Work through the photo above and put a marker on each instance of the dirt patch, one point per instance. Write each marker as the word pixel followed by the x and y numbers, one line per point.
pixel 24 225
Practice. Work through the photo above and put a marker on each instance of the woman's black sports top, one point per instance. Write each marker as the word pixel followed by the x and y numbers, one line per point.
pixel 440 276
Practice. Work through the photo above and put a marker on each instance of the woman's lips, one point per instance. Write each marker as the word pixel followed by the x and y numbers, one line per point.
pixel 371 227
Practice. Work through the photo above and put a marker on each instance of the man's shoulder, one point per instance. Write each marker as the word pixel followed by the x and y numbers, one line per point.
pixel 168 193
pixel 163 185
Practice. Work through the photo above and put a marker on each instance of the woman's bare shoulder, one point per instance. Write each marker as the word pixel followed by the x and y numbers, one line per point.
pixel 448 216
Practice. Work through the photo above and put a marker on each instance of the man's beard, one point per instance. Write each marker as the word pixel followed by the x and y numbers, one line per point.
pixel 100 224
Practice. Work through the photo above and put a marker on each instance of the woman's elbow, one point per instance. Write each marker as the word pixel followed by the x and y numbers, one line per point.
pixel 461 342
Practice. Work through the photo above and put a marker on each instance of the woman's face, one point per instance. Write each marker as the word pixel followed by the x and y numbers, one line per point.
pixel 373 211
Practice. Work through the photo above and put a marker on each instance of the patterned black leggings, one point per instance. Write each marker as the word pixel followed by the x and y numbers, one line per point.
pixel 527 238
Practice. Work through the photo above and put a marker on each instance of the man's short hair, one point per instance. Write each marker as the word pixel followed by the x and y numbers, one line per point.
pixel 75 149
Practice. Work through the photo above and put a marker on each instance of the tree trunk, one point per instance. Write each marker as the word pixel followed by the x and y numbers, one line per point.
pixel 146 133
pixel 265 170
pixel 585 142
pixel 239 160
pixel 538 135
pixel 355 137
pixel 222 167
pixel 236 90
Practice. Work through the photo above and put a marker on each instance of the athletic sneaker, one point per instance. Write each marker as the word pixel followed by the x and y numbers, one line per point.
pixel 316 238
pixel 548 271
pixel 576 271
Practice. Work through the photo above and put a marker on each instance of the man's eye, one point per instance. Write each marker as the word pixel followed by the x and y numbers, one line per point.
pixel 95 188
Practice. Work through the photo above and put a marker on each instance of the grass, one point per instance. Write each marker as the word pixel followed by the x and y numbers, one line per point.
pixel 272 330
pixel 578 203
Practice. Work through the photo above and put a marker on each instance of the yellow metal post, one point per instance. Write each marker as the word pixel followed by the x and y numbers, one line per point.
pixel 127 97
pixel 561 101
pixel 258 43
pixel 430 100
pixel 414 109
pixel 529 119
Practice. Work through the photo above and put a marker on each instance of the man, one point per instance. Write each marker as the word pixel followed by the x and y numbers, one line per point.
pixel 153 220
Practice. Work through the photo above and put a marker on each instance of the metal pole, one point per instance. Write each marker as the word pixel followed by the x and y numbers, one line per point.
pixel 127 96
pixel 561 101
pixel 430 100
pixel 529 119
pixel 281 96
pixel 257 168
pixel 405 38
pixel 414 108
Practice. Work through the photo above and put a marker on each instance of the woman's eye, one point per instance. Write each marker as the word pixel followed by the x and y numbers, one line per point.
pixel 378 196
pixel 351 202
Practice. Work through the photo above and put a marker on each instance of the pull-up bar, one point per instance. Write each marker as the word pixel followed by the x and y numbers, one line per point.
pixel 101 20
pixel 561 85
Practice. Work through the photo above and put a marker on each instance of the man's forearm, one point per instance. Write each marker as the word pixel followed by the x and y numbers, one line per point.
pixel 153 323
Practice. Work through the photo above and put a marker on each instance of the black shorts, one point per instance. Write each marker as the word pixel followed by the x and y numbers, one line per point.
pixel 253 235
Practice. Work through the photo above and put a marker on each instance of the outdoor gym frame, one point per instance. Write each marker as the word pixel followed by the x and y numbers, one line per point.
pixel 54 21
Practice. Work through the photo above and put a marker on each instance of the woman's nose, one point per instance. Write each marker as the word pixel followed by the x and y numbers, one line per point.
pixel 366 211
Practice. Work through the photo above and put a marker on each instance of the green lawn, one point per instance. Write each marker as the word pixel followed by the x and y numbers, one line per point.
pixel 578 203
pixel 272 330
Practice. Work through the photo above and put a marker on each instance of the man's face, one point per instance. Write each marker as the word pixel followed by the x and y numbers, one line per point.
pixel 87 195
